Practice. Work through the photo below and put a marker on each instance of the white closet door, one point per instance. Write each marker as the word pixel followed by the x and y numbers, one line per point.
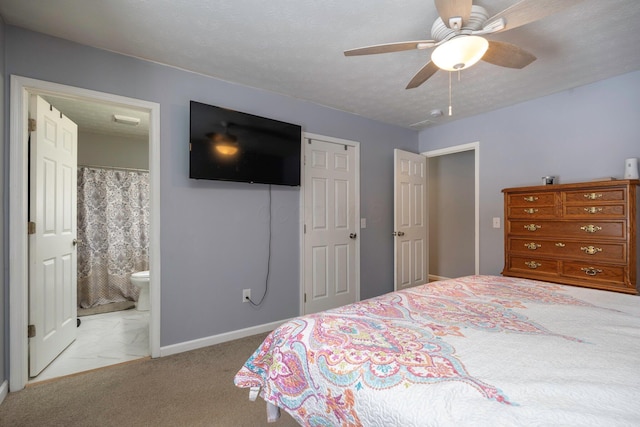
pixel 330 248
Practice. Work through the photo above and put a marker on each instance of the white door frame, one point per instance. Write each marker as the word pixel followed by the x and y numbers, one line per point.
pixel 356 145
pixel 21 87
pixel 475 147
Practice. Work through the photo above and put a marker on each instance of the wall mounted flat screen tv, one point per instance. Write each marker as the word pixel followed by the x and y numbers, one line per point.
pixel 230 145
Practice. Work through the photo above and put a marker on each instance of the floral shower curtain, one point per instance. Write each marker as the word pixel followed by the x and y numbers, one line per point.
pixel 113 234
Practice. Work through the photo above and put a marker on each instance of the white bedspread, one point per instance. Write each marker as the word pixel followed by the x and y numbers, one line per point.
pixel 474 351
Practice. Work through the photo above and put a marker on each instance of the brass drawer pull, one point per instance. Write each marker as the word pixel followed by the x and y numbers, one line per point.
pixel 532 227
pixel 560 245
pixel 530 210
pixel 532 246
pixel 591 250
pixel 593 210
pixel 530 198
pixel 590 228
pixel 590 271
pixel 532 264
pixel 593 196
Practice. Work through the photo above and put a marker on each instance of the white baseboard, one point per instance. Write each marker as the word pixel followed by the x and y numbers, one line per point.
pixel 434 278
pixel 4 389
pixel 218 339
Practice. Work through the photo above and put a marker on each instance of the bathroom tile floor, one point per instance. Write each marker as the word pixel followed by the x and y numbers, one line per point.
pixel 103 340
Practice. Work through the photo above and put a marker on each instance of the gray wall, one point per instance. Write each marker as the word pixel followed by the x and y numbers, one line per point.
pixel 579 135
pixel 214 234
pixel 96 149
pixel 452 214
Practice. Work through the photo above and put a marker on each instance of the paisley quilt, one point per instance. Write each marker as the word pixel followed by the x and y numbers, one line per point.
pixel 477 350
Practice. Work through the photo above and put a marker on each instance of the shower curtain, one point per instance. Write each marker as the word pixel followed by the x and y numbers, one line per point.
pixel 113 233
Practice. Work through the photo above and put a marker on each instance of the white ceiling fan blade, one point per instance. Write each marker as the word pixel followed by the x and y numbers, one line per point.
pixel 423 75
pixel 507 55
pixel 390 47
pixel 448 9
pixel 527 11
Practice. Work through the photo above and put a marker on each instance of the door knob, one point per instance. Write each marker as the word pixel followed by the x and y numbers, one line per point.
pixel 353 235
pixel 398 233
pixel 75 242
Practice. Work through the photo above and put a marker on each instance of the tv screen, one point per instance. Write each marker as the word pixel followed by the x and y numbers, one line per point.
pixel 230 145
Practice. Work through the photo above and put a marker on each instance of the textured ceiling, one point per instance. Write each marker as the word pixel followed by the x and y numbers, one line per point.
pixel 296 48
pixel 99 117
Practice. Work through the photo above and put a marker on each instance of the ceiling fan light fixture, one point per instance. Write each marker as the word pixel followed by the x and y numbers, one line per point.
pixel 460 53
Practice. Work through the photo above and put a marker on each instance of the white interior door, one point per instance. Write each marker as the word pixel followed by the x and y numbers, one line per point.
pixel 331 225
pixel 410 219
pixel 52 245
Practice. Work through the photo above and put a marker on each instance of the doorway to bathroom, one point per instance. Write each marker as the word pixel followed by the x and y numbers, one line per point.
pixel 110 211
pixel 102 156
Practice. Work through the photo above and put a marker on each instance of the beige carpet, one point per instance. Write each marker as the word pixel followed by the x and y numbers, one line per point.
pixel 194 388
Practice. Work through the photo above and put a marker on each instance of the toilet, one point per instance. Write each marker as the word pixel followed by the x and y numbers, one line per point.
pixel 141 280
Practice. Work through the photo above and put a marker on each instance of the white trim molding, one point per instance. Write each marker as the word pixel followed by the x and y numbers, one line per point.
pixel 219 339
pixel 21 88
pixel 4 390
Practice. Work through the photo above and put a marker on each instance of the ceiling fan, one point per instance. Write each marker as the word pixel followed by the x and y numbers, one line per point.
pixel 457 36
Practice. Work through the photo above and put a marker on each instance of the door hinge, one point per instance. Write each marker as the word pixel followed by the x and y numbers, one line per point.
pixel 305 297
pixel 31 331
pixel 31 227
pixel 32 125
pixel 305 228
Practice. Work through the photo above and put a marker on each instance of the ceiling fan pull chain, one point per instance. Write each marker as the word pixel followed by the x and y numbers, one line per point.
pixel 450 109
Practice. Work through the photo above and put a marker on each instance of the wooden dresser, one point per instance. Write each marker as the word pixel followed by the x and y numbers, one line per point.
pixel 580 234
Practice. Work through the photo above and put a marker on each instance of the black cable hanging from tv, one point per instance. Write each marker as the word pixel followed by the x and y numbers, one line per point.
pixel 266 281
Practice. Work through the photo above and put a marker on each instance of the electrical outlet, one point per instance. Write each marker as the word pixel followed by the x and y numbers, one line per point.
pixel 496 222
pixel 246 295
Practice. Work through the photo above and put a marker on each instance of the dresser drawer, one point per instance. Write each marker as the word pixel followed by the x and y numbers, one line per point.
pixel 533 264
pixel 531 199
pixel 531 212
pixel 585 250
pixel 591 196
pixel 574 229
pixel 594 210
pixel 593 271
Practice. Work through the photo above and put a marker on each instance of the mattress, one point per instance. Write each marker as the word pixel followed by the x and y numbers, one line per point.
pixel 471 351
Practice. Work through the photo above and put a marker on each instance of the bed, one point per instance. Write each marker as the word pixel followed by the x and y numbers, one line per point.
pixel 471 351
